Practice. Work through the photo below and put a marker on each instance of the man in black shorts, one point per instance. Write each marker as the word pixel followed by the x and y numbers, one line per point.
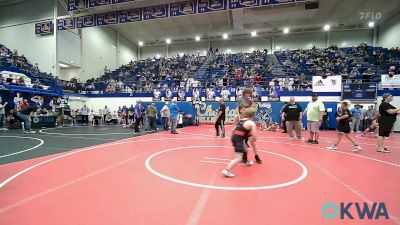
pixel 221 119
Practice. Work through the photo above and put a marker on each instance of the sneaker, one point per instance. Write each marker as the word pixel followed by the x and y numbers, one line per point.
pixel 332 147
pixel 309 141
pixel 356 148
pixel 258 160
pixel 227 173
pixel 384 150
pixel 291 139
pixel 249 163
pixel 314 142
pixel 302 139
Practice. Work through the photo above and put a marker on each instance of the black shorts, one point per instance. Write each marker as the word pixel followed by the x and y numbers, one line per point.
pixel 385 129
pixel 239 146
pixel 345 129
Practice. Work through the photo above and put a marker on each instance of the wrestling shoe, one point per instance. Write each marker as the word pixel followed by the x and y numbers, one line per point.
pixel 227 173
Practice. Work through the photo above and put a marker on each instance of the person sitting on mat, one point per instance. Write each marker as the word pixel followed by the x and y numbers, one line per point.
pixel 374 127
pixel 343 117
pixel 246 127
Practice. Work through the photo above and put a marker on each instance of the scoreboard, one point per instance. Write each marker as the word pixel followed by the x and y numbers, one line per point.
pixel 364 91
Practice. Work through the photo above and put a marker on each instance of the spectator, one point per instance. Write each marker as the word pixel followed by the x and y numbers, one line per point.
pixel 369 116
pixel 137 115
pixel 25 116
pixel 293 116
pixel 314 113
pixel 174 111
pixel 2 113
pixel 152 116
pixel 367 75
pixel 354 75
pixel 24 104
pixel 355 125
pixel 165 116
pixel 85 115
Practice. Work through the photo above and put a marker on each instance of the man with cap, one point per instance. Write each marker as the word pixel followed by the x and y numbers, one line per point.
pixel 165 116
pixel 314 111
pixel 386 121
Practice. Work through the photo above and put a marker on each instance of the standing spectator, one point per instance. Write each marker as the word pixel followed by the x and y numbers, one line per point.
pixel 293 114
pixel 85 115
pixel 325 120
pixel 2 113
pixel 165 116
pixel 283 119
pixel 137 115
pixel 18 101
pixel 355 125
pixel 220 123
pixel 388 117
pixel 104 113
pixel 369 116
pixel 152 116
pixel 362 119
pixel 296 83
pixel 314 113
pixel 174 111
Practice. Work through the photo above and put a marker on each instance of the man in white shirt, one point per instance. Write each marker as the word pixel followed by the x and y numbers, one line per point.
pixel 165 116
pixel 85 115
pixel 225 94
pixel 210 94
pixel 18 101
pixel 104 113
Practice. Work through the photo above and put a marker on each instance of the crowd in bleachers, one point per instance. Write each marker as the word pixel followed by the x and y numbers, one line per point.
pixel 355 64
pixel 13 62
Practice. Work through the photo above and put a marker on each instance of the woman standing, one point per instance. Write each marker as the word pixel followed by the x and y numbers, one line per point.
pixel 388 117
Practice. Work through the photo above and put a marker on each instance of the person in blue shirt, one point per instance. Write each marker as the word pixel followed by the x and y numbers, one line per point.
pixel 174 111
pixel 356 112
pixel 138 114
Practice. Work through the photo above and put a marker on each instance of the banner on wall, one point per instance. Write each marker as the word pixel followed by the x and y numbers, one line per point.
pixel 182 8
pixel 95 3
pixel 86 21
pixel 155 12
pixel 66 24
pixel 129 16
pixel 44 28
pixel 390 81
pixel 205 6
pixel 107 18
pixel 329 84
pixel 267 112
pixel 237 4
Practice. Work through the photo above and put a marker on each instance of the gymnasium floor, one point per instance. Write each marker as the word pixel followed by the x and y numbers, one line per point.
pixel 108 176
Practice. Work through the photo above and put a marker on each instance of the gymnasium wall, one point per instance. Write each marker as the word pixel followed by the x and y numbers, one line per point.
pixel 95 48
pixel 281 41
pixel 17 31
pixel 389 32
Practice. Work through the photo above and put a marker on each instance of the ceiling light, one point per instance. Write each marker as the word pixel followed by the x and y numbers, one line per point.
pixel 253 33
pixel 371 24
pixel 168 41
pixel 141 43
pixel 62 65
pixel 229 51
pixel 327 27
pixel 285 30
pixel 225 36
pixel 197 38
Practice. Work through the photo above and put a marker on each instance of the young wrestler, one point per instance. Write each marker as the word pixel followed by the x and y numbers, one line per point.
pixel 374 127
pixel 246 102
pixel 246 127
pixel 343 117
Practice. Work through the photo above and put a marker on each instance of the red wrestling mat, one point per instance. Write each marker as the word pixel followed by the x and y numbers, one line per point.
pixel 176 179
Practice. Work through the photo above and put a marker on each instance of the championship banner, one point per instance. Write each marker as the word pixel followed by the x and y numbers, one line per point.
pixel 156 12
pixel 66 24
pixel 86 21
pixel 328 84
pixel 95 3
pixel 130 15
pixel 121 1
pixel 276 2
pixel 237 4
pixel 182 8
pixel 44 28
pixel 205 6
pixel 77 4
pixel 107 18
pixel 390 81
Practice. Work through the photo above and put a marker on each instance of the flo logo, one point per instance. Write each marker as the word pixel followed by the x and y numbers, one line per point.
pixel 356 210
